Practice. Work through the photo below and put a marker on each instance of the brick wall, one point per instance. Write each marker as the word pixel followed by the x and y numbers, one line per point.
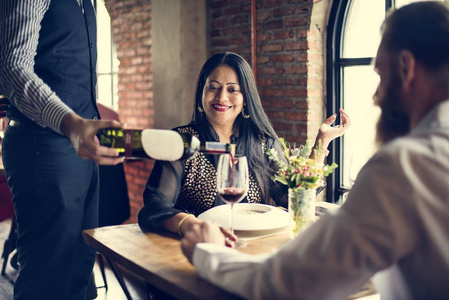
pixel 131 24
pixel 289 58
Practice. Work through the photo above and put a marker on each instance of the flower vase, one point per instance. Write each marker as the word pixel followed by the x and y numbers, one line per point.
pixel 301 208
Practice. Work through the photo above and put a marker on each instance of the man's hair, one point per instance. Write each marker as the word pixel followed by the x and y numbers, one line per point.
pixel 423 29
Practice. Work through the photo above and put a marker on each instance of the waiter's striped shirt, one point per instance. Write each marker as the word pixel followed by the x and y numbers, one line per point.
pixel 19 34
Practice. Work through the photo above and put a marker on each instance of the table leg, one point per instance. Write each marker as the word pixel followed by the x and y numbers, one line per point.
pixel 119 277
pixel 101 264
pixel 149 291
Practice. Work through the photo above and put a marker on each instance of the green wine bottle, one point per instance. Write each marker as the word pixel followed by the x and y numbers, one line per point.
pixel 158 144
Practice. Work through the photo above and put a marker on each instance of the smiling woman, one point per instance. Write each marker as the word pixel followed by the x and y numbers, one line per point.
pixel 227 109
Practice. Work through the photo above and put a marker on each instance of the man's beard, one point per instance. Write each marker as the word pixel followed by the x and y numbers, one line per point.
pixel 393 121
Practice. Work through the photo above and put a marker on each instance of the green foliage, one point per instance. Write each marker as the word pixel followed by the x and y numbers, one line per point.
pixel 298 170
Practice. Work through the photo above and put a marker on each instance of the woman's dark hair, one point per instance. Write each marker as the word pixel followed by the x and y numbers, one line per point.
pixel 249 130
pixel 423 29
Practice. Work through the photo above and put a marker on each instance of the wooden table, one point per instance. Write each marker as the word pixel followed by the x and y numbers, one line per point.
pixel 158 259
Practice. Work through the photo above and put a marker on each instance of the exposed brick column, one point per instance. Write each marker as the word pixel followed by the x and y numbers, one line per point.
pixel 131 24
pixel 316 79
pixel 289 55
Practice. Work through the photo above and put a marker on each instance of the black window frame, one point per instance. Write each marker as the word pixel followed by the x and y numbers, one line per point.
pixel 335 64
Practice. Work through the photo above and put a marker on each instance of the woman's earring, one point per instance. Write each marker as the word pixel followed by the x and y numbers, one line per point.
pixel 243 113
pixel 200 109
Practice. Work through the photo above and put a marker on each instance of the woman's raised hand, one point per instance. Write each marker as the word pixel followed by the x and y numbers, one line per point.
pixel 327 133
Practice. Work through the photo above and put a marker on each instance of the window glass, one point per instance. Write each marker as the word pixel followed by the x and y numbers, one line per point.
pixel 360 22
pixel 107 62
pixel 361 33
pixel 104 87
pixel 104 40
pixel 359 85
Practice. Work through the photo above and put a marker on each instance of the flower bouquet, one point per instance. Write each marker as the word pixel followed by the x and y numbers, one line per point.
pixel 303 174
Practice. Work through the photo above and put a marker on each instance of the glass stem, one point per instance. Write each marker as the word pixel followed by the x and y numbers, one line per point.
pixel 231 219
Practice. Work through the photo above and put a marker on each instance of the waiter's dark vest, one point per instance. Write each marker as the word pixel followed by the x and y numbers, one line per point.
pixel 66 56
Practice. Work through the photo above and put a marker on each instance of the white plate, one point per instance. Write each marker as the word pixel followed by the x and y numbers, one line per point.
pixel 248 216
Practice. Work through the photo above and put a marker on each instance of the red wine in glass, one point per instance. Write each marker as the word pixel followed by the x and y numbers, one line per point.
pixel 232 195
pixel 232 183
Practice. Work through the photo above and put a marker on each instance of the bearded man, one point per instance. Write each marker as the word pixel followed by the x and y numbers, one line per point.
pixel 395 222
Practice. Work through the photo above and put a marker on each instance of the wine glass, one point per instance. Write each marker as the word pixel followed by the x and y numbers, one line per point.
pixel 232 184
pixel 358 160
pixel 354 168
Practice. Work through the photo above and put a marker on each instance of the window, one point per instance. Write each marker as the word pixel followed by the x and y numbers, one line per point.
pixel 107 63
pixel 353 39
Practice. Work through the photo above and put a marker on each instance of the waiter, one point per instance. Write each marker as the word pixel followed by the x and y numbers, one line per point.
pixel 47 70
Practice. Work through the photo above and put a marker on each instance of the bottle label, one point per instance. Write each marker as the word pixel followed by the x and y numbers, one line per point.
pixel 218 148
pixel 128 137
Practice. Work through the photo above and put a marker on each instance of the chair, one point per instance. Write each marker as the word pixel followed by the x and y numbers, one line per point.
pixel 6 206
pixel 114 206
pixel 8 248
pixel 114 201
pixel 114 210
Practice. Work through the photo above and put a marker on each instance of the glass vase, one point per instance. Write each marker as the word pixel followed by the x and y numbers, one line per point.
pixel 301 208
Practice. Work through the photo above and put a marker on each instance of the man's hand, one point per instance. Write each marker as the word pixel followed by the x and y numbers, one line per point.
pixel 204 232
pixel 82 134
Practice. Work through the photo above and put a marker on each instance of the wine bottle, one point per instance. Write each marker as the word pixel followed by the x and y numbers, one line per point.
pixel 158 144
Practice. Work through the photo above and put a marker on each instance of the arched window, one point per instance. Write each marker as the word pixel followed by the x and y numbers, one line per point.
pixel 353 39
pixel 107 63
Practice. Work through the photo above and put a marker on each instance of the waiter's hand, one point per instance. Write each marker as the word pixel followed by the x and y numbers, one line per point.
pixel 82 133
pixel 204 232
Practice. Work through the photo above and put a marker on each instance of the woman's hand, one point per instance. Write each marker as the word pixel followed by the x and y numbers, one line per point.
pixel 327 133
